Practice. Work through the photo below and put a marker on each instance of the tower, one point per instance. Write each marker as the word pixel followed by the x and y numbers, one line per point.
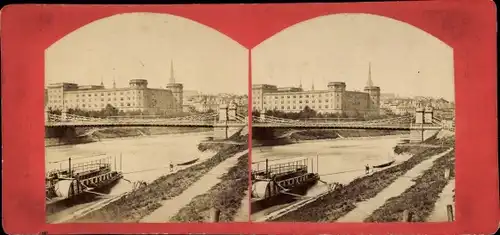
pixel 428 114
pixel 176 89
pixel 312 86
pixel 374 93
pixel 338 89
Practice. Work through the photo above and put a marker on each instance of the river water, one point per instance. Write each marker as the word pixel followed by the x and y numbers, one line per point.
pixel 143 158
pixel 338 160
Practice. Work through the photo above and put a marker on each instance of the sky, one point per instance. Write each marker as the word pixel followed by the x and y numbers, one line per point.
pixel 142 45
pixel 404 59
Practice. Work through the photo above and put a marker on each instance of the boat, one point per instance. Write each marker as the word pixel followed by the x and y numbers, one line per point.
pixel 390 159
pixel 69 184
pixel 188 162
pixel 385 164
pixel 280 183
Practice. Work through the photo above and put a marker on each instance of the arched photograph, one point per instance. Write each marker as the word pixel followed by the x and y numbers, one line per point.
pixel 146 122
pixel 353 121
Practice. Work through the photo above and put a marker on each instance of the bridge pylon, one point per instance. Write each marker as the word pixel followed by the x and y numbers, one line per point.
pixel 64 115
pixel 428 115
pixel 223 113
pixel 225 127
pixel 46 114
pixel 232 111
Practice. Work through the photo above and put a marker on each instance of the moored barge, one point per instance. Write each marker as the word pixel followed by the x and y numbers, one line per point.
pixel 280 183
pixel 72 184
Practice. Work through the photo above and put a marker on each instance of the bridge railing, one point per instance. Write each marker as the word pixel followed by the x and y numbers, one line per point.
pixel 270 119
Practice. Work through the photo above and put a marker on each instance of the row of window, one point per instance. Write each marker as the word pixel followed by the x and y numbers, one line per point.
pixel 98 92
pixel 94 105
pixel 90 100
pixel 293 102
pixel 299 107
pixel 294 96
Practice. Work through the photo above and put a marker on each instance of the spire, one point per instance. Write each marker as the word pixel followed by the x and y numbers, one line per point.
pixel 312 86
pixel 369 83
pixel 102 83
pixel 114 83
pixel 172 78
pixel 300 82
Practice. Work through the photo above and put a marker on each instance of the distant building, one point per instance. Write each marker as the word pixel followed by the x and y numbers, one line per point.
pixel 136 97
pixel 335 99
pixel 204 103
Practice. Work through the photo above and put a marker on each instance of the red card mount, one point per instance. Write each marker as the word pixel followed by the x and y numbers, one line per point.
pixel 467 26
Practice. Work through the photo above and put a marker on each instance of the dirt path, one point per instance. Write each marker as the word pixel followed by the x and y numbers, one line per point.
pixel 244 212
pixel 440 213
pixel 366 208
pixel 172 206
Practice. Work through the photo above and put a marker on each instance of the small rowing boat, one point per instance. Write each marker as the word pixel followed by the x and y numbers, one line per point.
pixel 188 162
pixel 385 164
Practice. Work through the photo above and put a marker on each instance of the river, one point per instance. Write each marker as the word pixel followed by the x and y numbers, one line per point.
pixel 337 160
pixel 143 158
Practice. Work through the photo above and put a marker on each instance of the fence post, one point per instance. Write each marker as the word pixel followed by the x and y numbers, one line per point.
pixel 407 216
pixel 449 209
pixel 447 173
pixel 215 215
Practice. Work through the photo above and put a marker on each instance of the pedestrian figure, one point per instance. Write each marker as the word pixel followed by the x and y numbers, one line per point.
pixel 367 169
pixel 171 166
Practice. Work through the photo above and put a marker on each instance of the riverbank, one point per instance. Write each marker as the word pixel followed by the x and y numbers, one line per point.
pixel 338 203
pixel 87 135
pixel 143 201
pixel 226 196
pixel 278 137
pixel 426 189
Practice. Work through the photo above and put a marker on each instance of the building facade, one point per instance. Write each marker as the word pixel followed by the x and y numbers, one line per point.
pixel 136 97
pixel 335 99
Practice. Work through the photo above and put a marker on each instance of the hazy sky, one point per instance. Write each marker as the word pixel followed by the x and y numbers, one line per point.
pixel 141 45
pixel 404 59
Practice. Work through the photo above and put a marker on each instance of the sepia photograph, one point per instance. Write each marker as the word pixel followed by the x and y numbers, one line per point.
pixel 146 121
pixel 353 120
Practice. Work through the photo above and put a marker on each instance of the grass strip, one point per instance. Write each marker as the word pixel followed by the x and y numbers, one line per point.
pixel 225 196
pixel 420 197
pixel 143 201
pixel 341 201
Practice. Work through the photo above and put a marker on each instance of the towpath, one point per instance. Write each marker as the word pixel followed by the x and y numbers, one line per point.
pixel 172 206
pixel 366 208
pixel 440 212
pixel 243 212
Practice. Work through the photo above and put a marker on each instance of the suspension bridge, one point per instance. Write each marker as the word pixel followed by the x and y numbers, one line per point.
pixel 395 123
pixel 198 120
pixel 226 122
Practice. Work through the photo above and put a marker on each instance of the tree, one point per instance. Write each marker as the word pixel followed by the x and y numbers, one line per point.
pixel 110 110
pixel 307 113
